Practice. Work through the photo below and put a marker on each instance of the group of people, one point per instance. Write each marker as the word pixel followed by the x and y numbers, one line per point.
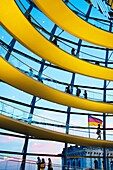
pixel 54 41
pixel 68 87
pixel 78 91
pixel 41 164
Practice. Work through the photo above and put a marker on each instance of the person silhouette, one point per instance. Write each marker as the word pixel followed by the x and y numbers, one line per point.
pixel 98 132
pixel 42 165
pixel 50 164
pixel 73 51
pixel 38 163
pixel 67 89
pixel 85 94
pixel 78 91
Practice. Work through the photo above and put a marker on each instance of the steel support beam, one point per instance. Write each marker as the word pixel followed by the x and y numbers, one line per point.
pixel 24 151
pixel 72 84
pixel 11 45
pixel 34 97
pixel 104 100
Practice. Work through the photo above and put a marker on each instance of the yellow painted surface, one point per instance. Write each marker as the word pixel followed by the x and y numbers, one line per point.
pixel 110 2
pixel 25 83
pixel 94 124
pixel 19 27
pixel 13 21
pixel 44 134
pixel 112 5
pixel 59 13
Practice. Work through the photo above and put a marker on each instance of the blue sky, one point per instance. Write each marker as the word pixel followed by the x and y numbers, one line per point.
pixel 10 143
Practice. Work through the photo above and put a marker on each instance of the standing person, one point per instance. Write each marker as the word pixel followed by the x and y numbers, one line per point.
pixel 85 94
pixel 50 164
pixel 38 163
pixel 98 132
pixel 67 89
pixel 73 51
pixel 78 91
pixel 42 165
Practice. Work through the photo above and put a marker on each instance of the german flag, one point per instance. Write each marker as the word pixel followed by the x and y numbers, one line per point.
pixel 92 121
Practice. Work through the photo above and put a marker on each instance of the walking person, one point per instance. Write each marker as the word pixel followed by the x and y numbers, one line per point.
pixel 50 164
pixel 98 132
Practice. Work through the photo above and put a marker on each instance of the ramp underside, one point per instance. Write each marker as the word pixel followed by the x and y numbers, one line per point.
pixel 21 81
pixel 26 34
pixel 44 134
pixel 59 13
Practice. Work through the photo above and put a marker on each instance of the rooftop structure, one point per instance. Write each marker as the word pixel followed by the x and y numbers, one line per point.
pixel 49 88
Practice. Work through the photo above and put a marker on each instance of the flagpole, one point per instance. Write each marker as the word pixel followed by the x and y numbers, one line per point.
pixel 89 137
pixel 92 121
pixel 89 131
pixel 88 128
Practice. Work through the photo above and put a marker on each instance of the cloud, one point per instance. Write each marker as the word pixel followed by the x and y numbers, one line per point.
pixel 9 139
pixel 45 147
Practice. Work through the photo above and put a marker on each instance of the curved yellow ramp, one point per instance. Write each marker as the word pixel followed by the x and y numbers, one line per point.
pixel 59 13
pixel 17 25
pixel 44 134
pixel 25 83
